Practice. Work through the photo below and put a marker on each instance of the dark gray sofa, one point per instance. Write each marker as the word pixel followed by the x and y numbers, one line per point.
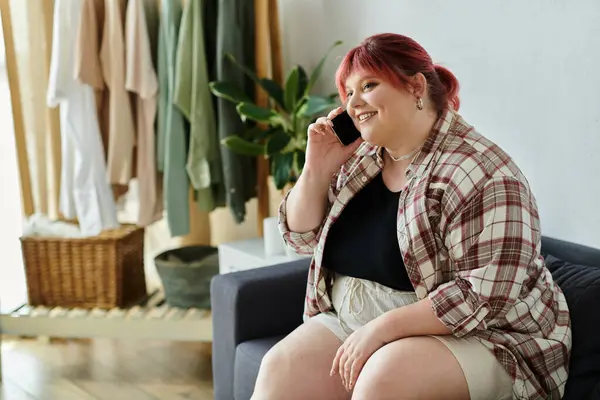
pixel 252 310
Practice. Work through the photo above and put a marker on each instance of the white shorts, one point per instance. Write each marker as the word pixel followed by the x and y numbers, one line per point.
pixel 358 301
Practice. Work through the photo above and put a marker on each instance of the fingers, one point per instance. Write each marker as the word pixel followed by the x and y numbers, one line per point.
pixel 342 369
pixel 322 126
pixel 315 129
pixel 348 372
pixel 347 365
pixel 339 363
pixel 336 361
pixel 324 123
pixel 354 371
pixel 335 112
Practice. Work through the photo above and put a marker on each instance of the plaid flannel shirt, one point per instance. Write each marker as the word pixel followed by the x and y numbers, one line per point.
pixel 469 233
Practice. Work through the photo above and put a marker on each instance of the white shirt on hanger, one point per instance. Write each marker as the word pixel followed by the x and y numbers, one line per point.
pixel 85 193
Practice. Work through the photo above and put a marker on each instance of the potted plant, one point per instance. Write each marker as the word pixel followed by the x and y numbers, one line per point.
pixel 278 132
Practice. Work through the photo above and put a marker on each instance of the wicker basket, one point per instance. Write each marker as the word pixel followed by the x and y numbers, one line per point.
pixel 103 271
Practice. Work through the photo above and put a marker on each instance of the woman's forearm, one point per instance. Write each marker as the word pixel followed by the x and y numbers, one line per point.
pixel 307 203
pixel 417 319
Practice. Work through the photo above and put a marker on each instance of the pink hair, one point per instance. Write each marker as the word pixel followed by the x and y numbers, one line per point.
pixel 394 58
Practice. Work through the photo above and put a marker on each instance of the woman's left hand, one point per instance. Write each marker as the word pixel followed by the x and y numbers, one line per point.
pixel 354 353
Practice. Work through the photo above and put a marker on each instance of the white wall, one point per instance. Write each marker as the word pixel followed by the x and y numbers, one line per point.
pixel 530 76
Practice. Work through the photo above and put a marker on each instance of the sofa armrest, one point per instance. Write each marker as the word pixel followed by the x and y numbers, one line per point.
pixel 259 302
pixel 253 304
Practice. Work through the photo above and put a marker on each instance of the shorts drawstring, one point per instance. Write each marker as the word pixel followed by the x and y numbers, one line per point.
pixel 357 293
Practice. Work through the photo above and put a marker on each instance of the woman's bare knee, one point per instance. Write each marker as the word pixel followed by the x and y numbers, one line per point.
pixel 418 367
pixel 373 382
pixel 272 374
pixel 298 367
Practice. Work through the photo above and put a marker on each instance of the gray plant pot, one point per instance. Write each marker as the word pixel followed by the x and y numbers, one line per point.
pixel 186 273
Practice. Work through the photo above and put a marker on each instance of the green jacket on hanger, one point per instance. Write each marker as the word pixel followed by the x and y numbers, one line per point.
pixel 172 129
pixel 193 97
pixel 234 35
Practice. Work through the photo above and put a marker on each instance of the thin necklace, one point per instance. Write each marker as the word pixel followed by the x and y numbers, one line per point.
pixel 404 157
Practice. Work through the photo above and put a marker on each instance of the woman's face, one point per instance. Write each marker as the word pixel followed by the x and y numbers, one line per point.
pixel 383 113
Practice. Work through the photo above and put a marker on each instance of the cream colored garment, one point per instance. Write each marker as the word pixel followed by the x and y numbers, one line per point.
pixel 357 302
pixel 88 68
pixel 141 79
pixel 85 194
pixel 121 127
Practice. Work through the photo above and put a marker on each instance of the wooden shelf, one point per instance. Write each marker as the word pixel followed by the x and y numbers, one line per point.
pixel 153 320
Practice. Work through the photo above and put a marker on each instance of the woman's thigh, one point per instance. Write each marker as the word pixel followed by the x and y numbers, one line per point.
pixel 413 368
pixel 298 367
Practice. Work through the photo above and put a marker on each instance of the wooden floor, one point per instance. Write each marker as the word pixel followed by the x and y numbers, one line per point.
pixel 103 369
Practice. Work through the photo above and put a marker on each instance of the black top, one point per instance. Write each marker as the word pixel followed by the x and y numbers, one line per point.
pixel 363 241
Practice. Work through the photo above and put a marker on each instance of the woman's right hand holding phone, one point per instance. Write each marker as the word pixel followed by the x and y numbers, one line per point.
pixel 307 202
pixel 324 153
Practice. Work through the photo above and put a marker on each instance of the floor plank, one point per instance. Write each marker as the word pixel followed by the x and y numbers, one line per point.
pixel 114 390
pixel 103 369
pixel 177 392
pixel 12 391
pixel 64 389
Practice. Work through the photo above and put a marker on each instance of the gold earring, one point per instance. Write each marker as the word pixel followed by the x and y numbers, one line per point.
pixel 419 104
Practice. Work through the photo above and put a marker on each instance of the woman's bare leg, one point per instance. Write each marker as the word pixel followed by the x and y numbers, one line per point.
pixel 298 367
pixel 419 367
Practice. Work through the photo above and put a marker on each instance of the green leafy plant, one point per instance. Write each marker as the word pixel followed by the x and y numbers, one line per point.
pixel 278 132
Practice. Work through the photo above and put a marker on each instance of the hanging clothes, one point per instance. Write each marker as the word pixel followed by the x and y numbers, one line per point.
pixel 121 139
pixel 235 35
pixel 85 194
pixel 88 68
pixel 193 97
pixel 172 129
pixel 141 79
pixel 209 23
pixel 151 10
pixel 92 37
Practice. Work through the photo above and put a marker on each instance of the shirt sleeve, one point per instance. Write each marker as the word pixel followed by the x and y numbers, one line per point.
pixel 59 80
pixel 184 72
pixel 88 68
pixel 491 243
pixel 140 76
pixel 304 242
pixel 192 97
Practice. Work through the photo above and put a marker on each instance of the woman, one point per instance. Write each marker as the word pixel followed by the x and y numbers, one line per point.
pixel 427 280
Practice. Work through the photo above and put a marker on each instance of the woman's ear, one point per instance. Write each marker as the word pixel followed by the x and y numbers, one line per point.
pixel 418 85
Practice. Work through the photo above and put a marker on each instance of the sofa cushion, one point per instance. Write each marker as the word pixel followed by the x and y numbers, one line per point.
pixel 596 392
pixel 248 356
pixel 581 286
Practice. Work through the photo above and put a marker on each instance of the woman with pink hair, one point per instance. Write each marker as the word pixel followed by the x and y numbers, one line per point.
pixel 426 279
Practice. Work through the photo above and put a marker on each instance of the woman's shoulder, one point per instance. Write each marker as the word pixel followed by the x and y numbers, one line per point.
pixel 468 160
pixel 468 150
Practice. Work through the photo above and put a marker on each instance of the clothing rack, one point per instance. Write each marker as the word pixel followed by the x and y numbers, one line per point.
pixel 268 64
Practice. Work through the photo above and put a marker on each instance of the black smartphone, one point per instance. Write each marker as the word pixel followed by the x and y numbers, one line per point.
pixel 344 129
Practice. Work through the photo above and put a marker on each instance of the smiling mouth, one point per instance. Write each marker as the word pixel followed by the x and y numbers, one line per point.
pixel 365 117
